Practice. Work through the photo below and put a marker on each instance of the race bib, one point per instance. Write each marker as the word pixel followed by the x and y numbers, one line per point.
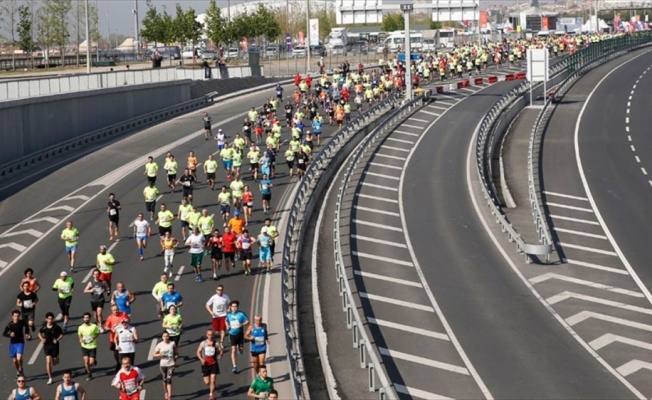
pixel 168 354
pixel 113 211
pixel 169 304
pixel 220 308
pixel 259 340
pixel 65 289
pixel 88 339
pixel 131 387
pixel 186 183
pixel 164 219
pixel 28 304
pixel 209 351
pixel 69 397
pixel 235 325
pixel 72 238
pixel 97 290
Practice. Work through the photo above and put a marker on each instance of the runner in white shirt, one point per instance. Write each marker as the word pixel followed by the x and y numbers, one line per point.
pixel 196 243
pixel 220 137
pixel 126 338
pixel 217 306
pixel 142 230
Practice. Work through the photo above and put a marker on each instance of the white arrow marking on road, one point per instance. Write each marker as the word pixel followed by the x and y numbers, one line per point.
pixel 550 275
pixel 584 315
pixel 423 361
pixel 32 232
pixel 79 196
pixel 15 246
pixel 51 220
pixel 64 208
pixel 567 295
pixel 609 338
pixel 3 264
pixel 150 355
pixel 633 366
pixel 179 273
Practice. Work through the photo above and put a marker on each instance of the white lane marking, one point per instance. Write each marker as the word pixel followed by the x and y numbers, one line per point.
pixel 582 221
pixel 430 113
pixel 596 266
pixel 423 361
pixel 634 87
pixel 583 209
pixel 633 366
pixel 411 329
pixel 15 246
pixel 143 394
pixel 418 120
pixel 643 171
pixel 37 351
pixel 627 120
pixel 419 394
pixel 77 197
pixel 51 220
pixel 589 249
pixel 632 147
pixel 380 258
pixel 388 156
pixel 375 225
pixel 379 241
pixel 150 355
pixel 400 140
pixel 395 148
pixel 629 103
pixel 627 130
pixel 366 196
pixel 373 185
pixel 630 97
pixel 3 264
pixel 412 126
pixel 396 302
pixel 627 111
pixel 387 278
pixel 577 281
pixel 438 107
pixel 609 338
pixel 32 232
pixel 572 295
pixel 395 178
pixel 638 160
pixel 446 96
pixel 629 137
pixel 64 208
pixel 405 133
pixel 632 92
pixel 591 235
pixel 385 166
pixel 566 196
pixel 179 273
pixel 373 210
pixel 584 315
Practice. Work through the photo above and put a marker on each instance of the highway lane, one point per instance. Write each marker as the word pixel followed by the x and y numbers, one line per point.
pixel 514 344
pixel 47 258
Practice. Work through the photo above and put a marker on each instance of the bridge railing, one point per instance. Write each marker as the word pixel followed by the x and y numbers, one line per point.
pixel 308 194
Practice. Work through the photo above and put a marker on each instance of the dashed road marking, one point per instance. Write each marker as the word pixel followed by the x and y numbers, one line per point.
pixel 430 113
pixel 580 233
pixel 598 300
pixel 413 126
pixel 419 394
pixel 581 221
pixel 396 302
pixel 379 258
pixel 375 225
pixel 577 281
pixel 411 329
pixel 179 273
pixel 589 249
pixel 395 178
pixel 32 232
pixel 584 315
pixel 366 196
pixel 379 241
pixel 609 338
pixel 373 185
pixel 387 278
pixel 406 133
pixel 423 361
pixel 583 209
pixel 566 196
pixel 400 140
pixel 395 148
pixel 377 211
pixel 385 166
pixel 389 156
pixel 597 266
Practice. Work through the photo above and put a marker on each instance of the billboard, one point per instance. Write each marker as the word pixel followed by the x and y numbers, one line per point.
pixel 483 20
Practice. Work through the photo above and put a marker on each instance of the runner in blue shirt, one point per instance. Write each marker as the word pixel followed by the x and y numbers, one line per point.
pixel 316 128
pixel 266 185
pixel 171 298
pixel 235 323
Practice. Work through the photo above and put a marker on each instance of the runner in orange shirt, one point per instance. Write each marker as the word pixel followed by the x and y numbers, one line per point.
pixel 237 223
pixel 110 323
pixel 247 203
pixel 192 164
pixel 339 116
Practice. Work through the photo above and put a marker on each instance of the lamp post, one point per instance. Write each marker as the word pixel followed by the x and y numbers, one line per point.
pixel 407 10
pixel 307 36
pixel 136 30
pixel 88 42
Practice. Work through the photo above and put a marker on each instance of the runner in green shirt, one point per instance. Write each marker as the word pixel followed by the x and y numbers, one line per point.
pixel 64 286
pixel 262 384
pixel 70 236
pixel 88 333
pixel 210 168
pixel 164 220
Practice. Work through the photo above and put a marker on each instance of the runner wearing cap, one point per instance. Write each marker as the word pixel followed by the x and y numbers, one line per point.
pixel 126 338
pixel 64 286
pixel 220 138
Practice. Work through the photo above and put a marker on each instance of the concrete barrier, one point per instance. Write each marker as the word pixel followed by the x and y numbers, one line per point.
pixel 492 79
pixel 509 77
pixel 439 89
pixel 520 75
pixel 478 81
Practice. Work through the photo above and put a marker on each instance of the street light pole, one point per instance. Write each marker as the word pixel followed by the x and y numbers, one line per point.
pixel 407 10
pixel 88 42
pixel 307 35
pixel 136 38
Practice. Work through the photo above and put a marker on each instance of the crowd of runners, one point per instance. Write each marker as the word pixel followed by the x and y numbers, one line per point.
pixel 218 241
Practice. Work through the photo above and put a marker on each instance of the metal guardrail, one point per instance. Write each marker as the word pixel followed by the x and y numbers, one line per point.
pixel 369 359
pixel 303 204
pixel 588 58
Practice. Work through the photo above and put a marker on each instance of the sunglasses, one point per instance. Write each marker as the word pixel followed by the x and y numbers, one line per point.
pixel 20 380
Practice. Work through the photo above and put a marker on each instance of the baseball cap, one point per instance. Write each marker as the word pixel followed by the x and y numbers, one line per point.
pixel 236 212
pixel 63 273
pixel 125 320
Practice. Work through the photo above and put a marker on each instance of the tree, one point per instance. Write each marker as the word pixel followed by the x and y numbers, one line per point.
pixel 215 24
pixel 55 16
pixel 24 30
pixel 327 20
pixel 185 26
pixel 435 25
pixel 265 23
pixel 393 22
pixel 44 23
pixel 151 29
pixel 10 10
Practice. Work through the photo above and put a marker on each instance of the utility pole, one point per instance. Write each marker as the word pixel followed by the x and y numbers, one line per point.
pixel 407 10
pixel 88 42
pixel 136 31
pixel 307 35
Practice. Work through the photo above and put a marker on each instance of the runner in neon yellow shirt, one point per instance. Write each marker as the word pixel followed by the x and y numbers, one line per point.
pixel 70 236
pixel 210 168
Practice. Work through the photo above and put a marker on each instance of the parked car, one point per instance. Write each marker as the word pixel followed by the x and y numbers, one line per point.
pixel 338 49
pixel 189 52
pixel 359 48
pixel 318 50
pixel 232 52
pixel 299 51
pixel 271 52
pixel 208 55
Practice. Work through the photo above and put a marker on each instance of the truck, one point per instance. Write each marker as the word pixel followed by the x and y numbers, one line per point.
pixel 338 37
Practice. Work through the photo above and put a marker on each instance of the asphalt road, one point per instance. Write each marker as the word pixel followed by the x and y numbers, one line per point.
pixel 517 348
pixel 76 188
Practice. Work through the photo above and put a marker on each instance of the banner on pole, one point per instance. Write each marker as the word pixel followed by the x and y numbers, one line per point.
pixel 314 32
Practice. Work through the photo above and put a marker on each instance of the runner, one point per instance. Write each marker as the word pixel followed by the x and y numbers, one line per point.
pixel 265 186
pixel 151 193
pixel 187 182
pixel 15 332
pixel 126 338
pixel 228 249
pixel 236 320
pixel 167 351
pixel 217 306
pixel 69 390
pixel 142 230
pixel 247 127
pixel 112 322
pixel 105 262
pixel 173 323
pixel 208 122
pixel 220 138
pixel 245 243
pixel 157 291
pixel 184 209
pixel 247 204
pixel 254 157
pixel 151 170
pixel 168 247
pixel 129 380
pixel 214 245
pixel 237 223
pixel 236 192
pixel 224 200
pixel 192 164
pixel 210 168
pixel 237 156
pixel 27 300
pixel 64 286
pixel 70 236
pixel 164 220
pixel 113 209
pixel 97 289
pixel 290 155
pixel 123 298
pixel 258 335
pixel 264 252
pixel 171 166
pixel 302 162
pixel 208 360
pixel 196 244
pixel 171 298
pixel 50 335
pixel 23 392
pixel 88 333
pixel 227 160
pixel 206 225
pixel 262 384
pixel 34 285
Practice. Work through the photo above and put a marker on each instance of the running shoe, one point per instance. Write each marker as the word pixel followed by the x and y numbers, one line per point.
pixel 50 381
pixel 65 327
pixel 234 369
